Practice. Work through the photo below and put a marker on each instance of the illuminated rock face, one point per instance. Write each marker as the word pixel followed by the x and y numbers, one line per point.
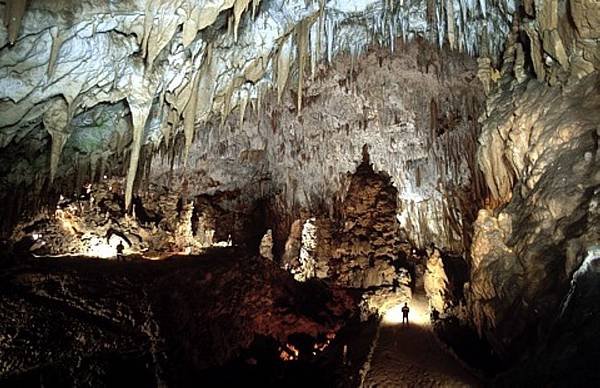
pixel 360 249
pixel 127 78
pixel 436 282
pixel 539 154
pixel 163 223
pixel 524 254
pixel 295 164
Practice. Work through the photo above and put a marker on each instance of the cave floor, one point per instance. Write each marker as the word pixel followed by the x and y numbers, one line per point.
pixel 411 356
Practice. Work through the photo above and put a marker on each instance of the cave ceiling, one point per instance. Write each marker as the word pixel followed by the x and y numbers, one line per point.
pixel 147 70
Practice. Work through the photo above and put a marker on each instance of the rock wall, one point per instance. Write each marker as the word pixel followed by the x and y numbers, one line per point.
pixel 412 109
pixel 539 154
pixel 163 222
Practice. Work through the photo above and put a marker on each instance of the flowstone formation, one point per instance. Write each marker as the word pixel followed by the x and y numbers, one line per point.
pixel 539 154
pixel 131 76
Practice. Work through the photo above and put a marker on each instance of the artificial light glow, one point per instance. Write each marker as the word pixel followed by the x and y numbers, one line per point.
pixel 417 315
pixel 393 315
pixel 101 248
pixel 289 353
pixel 103 251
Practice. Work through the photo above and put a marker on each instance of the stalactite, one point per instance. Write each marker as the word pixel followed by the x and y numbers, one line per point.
pixel 242 107
pixel 57 122
pixel 57 41
pixel 190 26
pixel 148 22
pixel 190 118
pixel 206 86
pixel 139 114
pixel 283 66
pixel 302 45
pixel 239 7
pixel 450 23
pixel 226 109
pixel 320 31
pixel 13 14
pixel 330 29
pixel 159 37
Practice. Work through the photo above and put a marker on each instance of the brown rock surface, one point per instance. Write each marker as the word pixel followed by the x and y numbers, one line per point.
pixel 83 321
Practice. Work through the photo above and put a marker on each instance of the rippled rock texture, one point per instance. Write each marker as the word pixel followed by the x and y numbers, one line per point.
pixel 545 142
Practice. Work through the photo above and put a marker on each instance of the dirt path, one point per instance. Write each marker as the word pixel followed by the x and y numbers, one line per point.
pixel 412 357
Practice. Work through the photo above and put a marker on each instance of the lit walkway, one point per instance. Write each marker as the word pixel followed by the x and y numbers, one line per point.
pixel 412 357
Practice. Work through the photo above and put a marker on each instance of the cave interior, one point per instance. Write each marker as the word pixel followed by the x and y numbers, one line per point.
pixel 336 193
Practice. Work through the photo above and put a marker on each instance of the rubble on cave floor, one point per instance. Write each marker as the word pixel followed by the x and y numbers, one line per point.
pixel 85 321
pixel 162 222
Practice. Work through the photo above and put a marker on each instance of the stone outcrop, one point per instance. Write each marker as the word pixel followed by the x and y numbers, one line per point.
pixel 163 222
pixel 436 282
pixel 73 322
pixel 367 243
pixel 539 153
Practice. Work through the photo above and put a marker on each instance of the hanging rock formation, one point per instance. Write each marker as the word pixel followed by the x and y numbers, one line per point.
pixel 134 51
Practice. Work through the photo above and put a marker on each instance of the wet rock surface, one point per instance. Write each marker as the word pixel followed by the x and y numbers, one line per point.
pixel 524 254
pixel 94 322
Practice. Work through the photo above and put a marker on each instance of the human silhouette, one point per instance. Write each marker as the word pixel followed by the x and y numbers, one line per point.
pixel 405 311
pixel 120 249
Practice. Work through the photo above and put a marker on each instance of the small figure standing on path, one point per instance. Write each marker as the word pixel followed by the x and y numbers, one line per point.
pixel 120 249
pixel 405 311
